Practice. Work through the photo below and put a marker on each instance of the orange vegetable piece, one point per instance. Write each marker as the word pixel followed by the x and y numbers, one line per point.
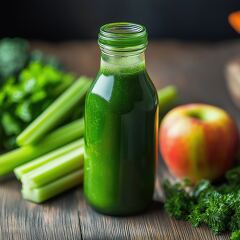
pixel 234 21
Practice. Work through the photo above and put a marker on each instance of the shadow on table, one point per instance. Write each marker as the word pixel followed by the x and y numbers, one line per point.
pixel 7 178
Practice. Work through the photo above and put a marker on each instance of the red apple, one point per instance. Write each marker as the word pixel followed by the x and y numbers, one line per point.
pixel 198 141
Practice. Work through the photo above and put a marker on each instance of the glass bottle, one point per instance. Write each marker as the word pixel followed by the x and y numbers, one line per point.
pixel 121 125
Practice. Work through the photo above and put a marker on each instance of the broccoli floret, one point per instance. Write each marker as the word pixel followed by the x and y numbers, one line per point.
pixel 14 54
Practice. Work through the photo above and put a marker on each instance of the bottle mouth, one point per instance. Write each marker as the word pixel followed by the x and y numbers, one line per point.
pixel 122 37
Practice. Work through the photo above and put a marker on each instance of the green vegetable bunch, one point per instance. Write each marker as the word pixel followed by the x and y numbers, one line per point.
pixel 218 207
pixel 24 96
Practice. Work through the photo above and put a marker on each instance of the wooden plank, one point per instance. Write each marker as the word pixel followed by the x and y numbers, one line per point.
pixel 22 220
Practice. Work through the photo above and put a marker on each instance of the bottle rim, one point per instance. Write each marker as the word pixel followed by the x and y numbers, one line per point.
pixel 122 37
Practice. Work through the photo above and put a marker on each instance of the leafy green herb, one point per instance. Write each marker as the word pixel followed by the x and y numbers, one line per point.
pixel 217 206
pixel 55 113
pixel 24 97
pixel 178 202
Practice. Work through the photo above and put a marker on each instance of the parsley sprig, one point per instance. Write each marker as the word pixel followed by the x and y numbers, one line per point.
pixel 217 206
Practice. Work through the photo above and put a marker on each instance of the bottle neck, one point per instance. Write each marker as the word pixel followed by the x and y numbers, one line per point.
pixel 122 63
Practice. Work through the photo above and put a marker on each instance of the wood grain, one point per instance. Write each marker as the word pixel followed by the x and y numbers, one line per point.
pixel 21 220
pixel 198 71
pixel 153 224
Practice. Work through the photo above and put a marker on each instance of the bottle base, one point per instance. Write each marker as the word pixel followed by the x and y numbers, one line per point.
pixel 120 212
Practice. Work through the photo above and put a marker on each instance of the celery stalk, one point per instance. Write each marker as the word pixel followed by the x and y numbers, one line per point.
pixel 55 113
pixel 167 97
pixel 39 195
pixel 54 169
pixel 54 140
pixel 23 169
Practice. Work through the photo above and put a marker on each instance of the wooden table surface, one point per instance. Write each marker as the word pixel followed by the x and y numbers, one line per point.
pixel 198 71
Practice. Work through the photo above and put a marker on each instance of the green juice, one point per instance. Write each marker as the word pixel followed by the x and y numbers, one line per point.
pixel 121 126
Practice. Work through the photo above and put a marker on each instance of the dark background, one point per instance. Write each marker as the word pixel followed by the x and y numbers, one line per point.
pixel 59 20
